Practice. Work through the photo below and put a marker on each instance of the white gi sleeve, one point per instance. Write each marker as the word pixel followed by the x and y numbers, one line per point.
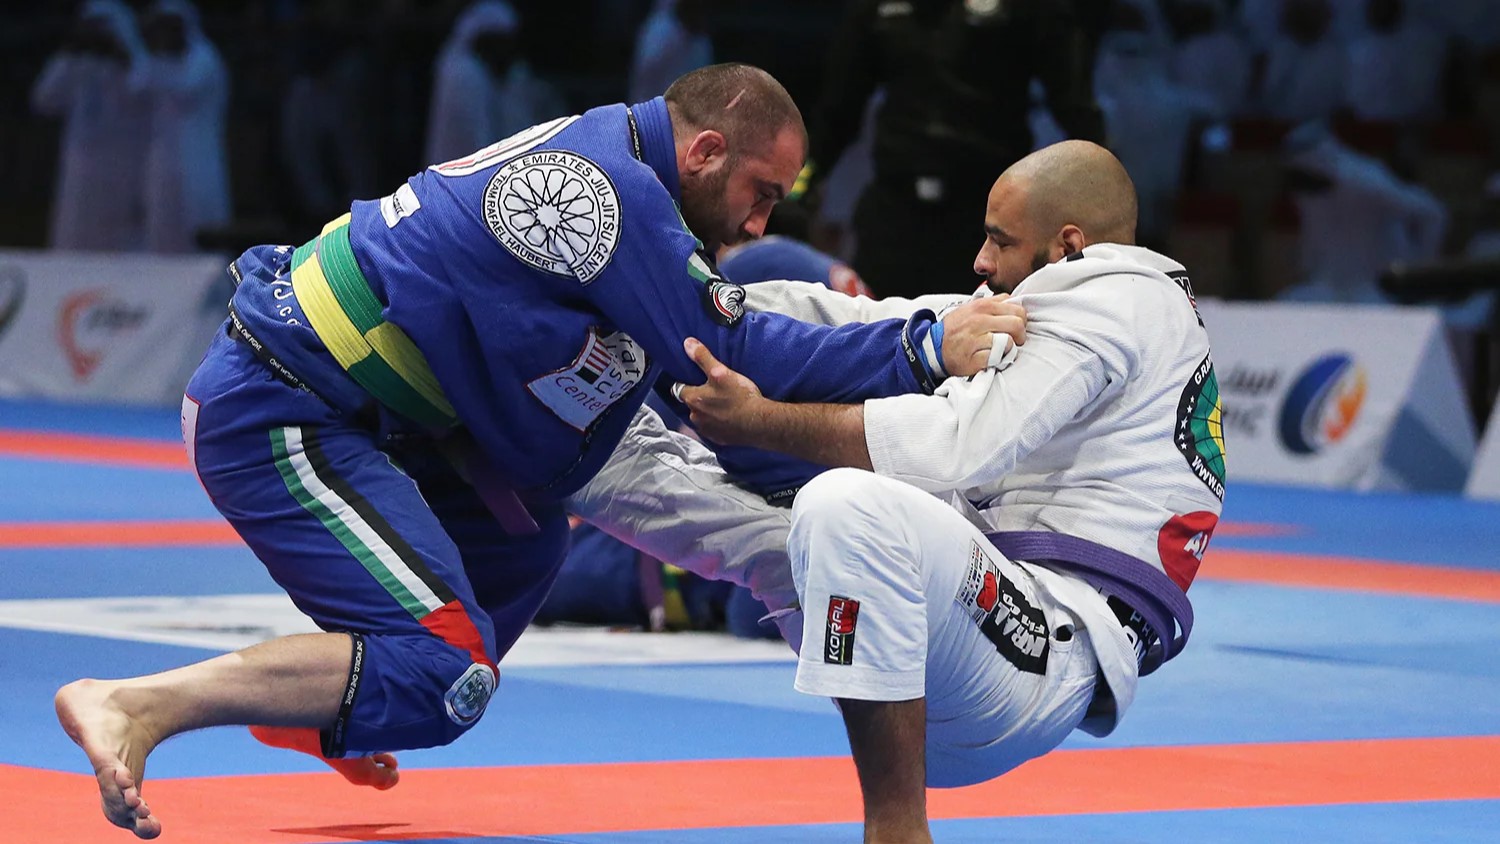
pixel 818 304
pixel 664 494
pixel 974 431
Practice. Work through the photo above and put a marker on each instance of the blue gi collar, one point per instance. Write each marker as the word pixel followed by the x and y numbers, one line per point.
pixel 657 147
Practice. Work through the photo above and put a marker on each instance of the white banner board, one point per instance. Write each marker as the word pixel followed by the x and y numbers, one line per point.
pixel 116 328
pixel 1362 397
pixel 1484 480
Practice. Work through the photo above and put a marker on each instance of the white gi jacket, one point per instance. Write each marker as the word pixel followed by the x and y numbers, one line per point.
pixel 1105 427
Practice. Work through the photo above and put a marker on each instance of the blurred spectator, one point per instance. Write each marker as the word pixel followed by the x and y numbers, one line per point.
pixel 1148 116
pixel 97 201
pixel 323 129
pixel 956 75
pixel 1210 58
pixel 483 90
pixel 1395 65
pixel 672 41
pixel 1302 74
pixel 1357 218
pixel 185 82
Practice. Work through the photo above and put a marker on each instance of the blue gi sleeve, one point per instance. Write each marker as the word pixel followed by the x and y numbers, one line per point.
pixel 660 288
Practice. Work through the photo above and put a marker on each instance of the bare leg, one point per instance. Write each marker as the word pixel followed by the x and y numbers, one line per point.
pixel 296 681
pixel 889 742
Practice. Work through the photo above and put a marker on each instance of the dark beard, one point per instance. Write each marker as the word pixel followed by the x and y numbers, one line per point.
pixel 1039 260
pixel 703 208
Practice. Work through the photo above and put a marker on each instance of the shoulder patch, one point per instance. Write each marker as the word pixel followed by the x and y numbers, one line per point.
pixel 1200 427
pixel 555 210
pixel 1186 284
pixel 724 300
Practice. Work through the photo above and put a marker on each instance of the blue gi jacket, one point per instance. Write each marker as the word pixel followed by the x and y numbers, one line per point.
pixel 548 280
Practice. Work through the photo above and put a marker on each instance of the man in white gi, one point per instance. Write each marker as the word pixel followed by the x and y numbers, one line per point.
pixel 961 642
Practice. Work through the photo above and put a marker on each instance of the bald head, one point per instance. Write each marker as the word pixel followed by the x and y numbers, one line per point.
pixel 1053 203
pixel 1078 183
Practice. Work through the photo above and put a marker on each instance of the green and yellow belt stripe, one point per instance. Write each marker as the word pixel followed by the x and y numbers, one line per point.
pixel 347 317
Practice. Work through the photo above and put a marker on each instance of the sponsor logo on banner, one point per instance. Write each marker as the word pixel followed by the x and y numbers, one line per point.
pixel 1199 434
pixel 470 694
pixel 12 295
pixel 1323 404
pixel 606 369
pixel 556 211
pixel 838 643
pixel 1017 628
pixel 89 323
pixel 1182 542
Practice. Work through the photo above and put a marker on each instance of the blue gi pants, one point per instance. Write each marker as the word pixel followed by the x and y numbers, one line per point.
pixel 373 536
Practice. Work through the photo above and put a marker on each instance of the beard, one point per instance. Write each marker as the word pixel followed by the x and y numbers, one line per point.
pixel 1040 259
pixel 703 208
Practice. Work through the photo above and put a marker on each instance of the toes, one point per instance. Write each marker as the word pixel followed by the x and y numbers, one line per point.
pixel 147 828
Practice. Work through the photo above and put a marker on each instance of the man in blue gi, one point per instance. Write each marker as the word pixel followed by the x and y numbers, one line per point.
pixel 395 409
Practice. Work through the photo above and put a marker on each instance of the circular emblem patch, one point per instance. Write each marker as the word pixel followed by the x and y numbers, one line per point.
pixel 555 210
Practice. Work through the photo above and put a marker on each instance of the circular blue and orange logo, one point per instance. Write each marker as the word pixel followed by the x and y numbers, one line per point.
pixel 1323 404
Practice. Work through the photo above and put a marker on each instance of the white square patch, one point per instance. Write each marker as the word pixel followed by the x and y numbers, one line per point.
pixel 606 369
pixel 399 205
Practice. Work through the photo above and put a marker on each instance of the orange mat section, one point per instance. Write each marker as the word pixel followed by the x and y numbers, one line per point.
pixel 113 451
pixel 563 799
pixel 132 534
pixel 1351 573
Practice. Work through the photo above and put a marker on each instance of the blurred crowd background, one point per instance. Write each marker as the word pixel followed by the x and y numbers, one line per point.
pixel 1281 147
pixel 1292 149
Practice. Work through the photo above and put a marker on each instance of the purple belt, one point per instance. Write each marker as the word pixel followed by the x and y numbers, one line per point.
pixel 1143 586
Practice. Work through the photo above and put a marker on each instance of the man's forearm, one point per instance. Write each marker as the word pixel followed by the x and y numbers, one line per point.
pixel 827 434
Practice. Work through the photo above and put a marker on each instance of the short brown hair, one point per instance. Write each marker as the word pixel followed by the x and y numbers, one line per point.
pixel 744 103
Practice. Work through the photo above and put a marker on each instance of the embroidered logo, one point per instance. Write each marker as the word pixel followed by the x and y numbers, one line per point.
pixel 1017 628
pixel 556 211
pixel 470 694
pixel 606 369
pixel 1200 427
pixel 838 643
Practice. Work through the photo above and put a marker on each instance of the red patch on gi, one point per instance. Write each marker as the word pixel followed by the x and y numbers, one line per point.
pixel 1182 542
pixel 989 594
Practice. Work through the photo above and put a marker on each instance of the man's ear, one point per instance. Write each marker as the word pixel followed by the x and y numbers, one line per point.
pixel 1073 239
pixel 707 152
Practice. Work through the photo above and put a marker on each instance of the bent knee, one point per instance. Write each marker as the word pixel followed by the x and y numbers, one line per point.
pixel 836 491
pixel 417 692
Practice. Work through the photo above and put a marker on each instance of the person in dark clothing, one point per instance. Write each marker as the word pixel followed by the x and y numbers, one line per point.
pixel 956 75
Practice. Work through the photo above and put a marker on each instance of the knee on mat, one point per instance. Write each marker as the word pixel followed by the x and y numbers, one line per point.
pixel 419 692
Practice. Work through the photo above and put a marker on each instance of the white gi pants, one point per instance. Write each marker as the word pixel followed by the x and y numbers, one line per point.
pixel 904 598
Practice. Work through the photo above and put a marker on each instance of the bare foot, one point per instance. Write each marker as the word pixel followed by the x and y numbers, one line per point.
pixel 117 746
pixel 376 770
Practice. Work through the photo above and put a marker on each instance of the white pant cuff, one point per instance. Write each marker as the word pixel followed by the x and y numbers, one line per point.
pixel 859 683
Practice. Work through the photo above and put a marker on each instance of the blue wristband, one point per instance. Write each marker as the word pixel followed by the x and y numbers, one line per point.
pixel 937 346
